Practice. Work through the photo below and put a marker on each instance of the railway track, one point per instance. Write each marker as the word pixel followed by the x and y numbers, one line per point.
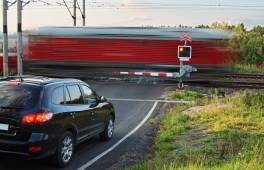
pixel 227 80
pixel 231 75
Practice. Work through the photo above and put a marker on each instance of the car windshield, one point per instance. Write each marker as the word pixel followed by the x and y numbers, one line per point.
pixel 18 96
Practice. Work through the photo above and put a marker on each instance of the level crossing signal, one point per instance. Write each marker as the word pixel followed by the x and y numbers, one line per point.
pixel 184 53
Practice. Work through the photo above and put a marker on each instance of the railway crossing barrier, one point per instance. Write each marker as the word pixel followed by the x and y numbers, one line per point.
pixel 184 55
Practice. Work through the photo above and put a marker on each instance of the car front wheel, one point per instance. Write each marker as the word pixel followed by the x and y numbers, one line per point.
pixel 108 132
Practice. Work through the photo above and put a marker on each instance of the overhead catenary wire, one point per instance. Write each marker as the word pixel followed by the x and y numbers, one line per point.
pixel 146 5
pixel 169 8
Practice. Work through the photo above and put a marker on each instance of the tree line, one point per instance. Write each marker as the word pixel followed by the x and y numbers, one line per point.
pixel 248 44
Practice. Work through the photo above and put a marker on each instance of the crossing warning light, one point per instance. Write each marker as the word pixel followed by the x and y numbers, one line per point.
pixel 184 53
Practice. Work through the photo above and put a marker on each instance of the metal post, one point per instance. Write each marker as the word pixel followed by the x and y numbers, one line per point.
pixel 5 43
pixel 19 38
pixel 181 62
pixel 74 12
pixel 83 15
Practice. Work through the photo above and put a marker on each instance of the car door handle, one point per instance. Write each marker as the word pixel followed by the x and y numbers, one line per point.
pixel 92 117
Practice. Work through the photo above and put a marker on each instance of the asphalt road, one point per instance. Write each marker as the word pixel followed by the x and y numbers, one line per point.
pixel 128 115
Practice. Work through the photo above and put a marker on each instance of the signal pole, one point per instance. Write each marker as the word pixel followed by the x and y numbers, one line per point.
pixel 74 12
pixel 5 43
pixel 19 38
pixel 83 13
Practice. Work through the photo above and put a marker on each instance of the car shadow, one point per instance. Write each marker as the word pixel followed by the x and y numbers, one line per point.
pixel 13 163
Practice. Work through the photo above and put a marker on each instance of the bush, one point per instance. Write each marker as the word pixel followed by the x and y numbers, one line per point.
pixel 251 48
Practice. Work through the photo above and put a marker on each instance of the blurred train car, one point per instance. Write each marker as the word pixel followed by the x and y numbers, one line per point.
pixel 108 48
pixel 124 47
pixel 12 56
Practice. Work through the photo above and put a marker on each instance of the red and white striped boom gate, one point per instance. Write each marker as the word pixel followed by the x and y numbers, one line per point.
pixel 147 74
pixel 184 72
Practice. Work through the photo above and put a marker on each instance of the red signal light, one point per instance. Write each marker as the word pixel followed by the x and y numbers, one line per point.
pixel 37 118
pixel 184 53
pixel 181 49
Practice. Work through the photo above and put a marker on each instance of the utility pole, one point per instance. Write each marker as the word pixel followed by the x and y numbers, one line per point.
pixel 83 13
pixel 74 13
pixel 19 38
pixel 5 43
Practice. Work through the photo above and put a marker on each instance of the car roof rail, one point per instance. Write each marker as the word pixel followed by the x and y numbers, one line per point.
pixel 21 78
pixel 12 78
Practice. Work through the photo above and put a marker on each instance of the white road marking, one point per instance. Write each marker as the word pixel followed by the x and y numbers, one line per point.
pixel 92 161
pixel 146 100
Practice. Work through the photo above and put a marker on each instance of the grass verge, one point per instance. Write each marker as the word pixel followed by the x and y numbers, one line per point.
pixel 224 134
pixel 184 95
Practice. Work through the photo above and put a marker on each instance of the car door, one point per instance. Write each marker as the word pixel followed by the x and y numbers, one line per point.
pixel 97 112
pixel 75 103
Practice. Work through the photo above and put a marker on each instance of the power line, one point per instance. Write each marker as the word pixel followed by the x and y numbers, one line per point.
pixel 156 8
pixel 74 12
pixel 145 5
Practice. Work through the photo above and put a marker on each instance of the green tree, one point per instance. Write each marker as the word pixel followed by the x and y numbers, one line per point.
pixel 222 26
pixel 202 26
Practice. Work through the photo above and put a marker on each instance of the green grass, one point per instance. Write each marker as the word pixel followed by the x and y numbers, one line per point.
pixel 184 95
pixel 226 134
pixel 242 68
pixel 152 121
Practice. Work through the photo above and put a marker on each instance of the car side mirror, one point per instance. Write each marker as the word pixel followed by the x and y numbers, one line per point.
pixel 102 99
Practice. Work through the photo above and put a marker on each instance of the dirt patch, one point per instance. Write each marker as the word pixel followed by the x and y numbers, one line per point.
pixel 193 110
pixel 192 138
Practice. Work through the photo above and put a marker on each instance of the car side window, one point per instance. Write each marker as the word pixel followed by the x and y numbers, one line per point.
pixel 57 96
pixel 75 94
pixel 89 96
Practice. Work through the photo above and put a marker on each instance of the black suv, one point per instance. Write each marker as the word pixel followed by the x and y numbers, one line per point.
pixel 41 117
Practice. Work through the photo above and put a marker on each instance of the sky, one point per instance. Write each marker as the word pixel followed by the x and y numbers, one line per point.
pixel 140 13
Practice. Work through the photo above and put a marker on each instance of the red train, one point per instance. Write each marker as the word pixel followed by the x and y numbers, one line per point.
pixel 12 56
pixel 110 47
